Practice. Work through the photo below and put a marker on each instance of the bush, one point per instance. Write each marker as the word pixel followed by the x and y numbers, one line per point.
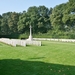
pixel 23 36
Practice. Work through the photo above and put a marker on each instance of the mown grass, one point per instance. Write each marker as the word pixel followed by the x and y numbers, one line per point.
pixel 52 58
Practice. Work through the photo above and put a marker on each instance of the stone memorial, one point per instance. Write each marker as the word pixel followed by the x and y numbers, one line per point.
pixel 31 41
pixel 30 36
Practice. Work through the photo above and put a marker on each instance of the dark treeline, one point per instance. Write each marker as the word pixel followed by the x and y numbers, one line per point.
pixel 55 22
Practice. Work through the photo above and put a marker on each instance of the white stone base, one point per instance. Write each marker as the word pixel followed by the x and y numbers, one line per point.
pixel 37 43
pixel 30 38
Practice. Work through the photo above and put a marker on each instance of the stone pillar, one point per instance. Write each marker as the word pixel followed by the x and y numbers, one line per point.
pixel 30 36
pixel 30 30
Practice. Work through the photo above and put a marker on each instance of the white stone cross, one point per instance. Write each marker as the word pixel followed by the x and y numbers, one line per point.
pixel 30 36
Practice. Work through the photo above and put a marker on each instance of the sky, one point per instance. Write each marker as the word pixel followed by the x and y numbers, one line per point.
pixel 23 5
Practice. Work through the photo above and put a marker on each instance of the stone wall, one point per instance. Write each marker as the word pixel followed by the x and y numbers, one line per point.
pixel 49 39
pixel 15 42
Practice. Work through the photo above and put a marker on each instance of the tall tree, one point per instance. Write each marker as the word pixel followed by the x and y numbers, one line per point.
pixel 56 19
pixel 23 23
pixel 43 20
pixel 12 22
pixel 4 24
pixel 34 15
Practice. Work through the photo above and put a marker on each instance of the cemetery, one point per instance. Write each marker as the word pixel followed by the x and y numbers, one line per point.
pixel 39 40
pixel 30 40
pixel 15 42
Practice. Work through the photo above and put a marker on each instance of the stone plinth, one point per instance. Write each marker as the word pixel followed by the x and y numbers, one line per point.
pixel 30 36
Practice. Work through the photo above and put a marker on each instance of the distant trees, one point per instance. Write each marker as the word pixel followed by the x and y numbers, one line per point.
pixel 59 20
pixel 63 18
pixel 38 17
pixel 8 23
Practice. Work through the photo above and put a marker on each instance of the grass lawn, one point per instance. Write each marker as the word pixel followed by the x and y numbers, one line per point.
pixel 52 58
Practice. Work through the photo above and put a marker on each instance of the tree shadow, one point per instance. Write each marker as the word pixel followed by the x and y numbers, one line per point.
pixel 20 67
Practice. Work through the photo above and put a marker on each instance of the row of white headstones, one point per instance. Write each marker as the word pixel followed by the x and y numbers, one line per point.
pixel 50 39
pixel 15 42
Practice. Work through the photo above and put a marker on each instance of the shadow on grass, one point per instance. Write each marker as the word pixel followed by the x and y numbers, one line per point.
pixel 20 67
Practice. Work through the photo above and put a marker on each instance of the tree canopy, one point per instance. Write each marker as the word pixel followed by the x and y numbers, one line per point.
pixel 59 20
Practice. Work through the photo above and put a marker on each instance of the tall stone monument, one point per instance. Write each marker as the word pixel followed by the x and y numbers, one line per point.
pixel 30 36
pixel 30 40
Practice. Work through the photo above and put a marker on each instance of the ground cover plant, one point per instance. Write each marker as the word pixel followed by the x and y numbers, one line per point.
pixel 52 58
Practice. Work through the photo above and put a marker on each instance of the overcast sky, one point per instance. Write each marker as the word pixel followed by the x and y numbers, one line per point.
pixel 23 5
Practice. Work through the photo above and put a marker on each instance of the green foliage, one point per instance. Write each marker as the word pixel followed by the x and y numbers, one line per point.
pixel 23 36
pixel 9 23
pixel 71 0
pixel 59 21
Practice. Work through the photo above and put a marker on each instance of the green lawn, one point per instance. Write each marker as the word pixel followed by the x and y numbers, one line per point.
pixel 52 58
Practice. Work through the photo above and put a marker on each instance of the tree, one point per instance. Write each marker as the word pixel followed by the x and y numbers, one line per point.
pixel 23 23
pixel 56 19
pixel 0 23
pixel 43 21
pixel 12 22
pixel 4 24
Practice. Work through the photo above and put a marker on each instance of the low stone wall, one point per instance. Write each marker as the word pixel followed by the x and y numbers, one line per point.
pixel 49 39
pixel 19 42
pixel 37 43
pixel 15 42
